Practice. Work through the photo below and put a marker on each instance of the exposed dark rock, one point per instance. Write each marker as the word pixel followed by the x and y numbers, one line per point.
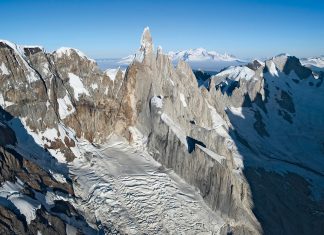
pixel 192 144
pixel 298 215
pixel 286 102
pixel 31 50
pixel 254 65
pixel 294 64
pixel 259 125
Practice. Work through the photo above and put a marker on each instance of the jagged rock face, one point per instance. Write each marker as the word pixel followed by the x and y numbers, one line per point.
pixel 26 207
pixel 43 95
pixel 169 109
pixel 276 121
pixel 287 100
pixel 64 87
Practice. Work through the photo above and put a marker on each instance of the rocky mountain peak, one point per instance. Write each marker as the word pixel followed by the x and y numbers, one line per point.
pixel 286 64
pixel 146 41
pixel 10 45
pixel 67 52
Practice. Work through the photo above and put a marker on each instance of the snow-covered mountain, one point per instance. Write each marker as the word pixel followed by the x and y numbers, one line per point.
pixel 201 59
pixel 315 63
pixel 147 151
pixel 198 59
pixel 200 54
pixel 276 111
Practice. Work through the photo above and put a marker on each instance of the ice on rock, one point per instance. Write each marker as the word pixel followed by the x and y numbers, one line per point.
pixel 25 204
pixel 3 69
pixel 112 73
pixel 4 103
pixel 66 107
pixel 157 101
pixel 94 86
pixel 272 69
pixel 77 85
pixel 183 100
pixel 31 75
pixel 176 128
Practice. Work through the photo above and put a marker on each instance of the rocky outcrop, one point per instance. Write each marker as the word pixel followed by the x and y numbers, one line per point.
pixel 24 195
pixel 274 114
pixel 64 87
pixel 169 109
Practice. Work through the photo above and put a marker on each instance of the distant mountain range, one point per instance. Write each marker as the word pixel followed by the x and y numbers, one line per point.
pixel 199 59
pixel 314 63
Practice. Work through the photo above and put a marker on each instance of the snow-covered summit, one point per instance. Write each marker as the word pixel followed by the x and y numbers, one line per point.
pixel 237 72
pixel 200 54
pixel 201 59
pixel 146 40
pixel 17 48
pixel 68 51
pixel 146 46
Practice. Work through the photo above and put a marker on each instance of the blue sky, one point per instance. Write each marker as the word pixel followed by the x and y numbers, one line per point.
pixel 112 28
